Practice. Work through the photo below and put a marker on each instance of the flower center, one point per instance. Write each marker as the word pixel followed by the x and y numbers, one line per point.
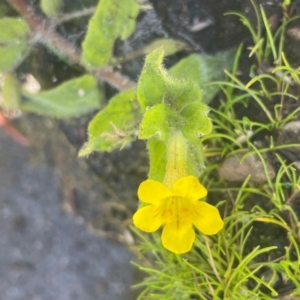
pixel 176 209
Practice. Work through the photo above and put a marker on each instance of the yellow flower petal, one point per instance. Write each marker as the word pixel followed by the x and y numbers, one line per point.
pixel 189 187
pixel 178 237
pixel 148 218
pixel 151 191
pixel 206 218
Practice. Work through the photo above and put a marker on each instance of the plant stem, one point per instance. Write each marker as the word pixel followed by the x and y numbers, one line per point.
pixel 45 34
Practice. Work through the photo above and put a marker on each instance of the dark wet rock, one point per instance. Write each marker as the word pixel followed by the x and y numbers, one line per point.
pixel 47 253
pixel 292 126
pixel 203 25
pixel 238 166
pixel 290 134
pixel 199 22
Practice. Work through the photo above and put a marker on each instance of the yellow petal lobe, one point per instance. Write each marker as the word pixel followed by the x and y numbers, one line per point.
pixel 148 218
pixel 189 187
pixel 151 191
pixel 178 237
pixel 206 218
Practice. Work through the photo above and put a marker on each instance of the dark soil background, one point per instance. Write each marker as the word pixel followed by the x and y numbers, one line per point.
pixel 64 221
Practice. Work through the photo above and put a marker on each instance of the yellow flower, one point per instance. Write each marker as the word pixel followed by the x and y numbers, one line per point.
pixel 177 209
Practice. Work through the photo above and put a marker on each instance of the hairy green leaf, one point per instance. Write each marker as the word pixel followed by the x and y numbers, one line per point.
pixel 159 121
pixel 170 104
pixel 155 123
pixel 157 86
pixel 14 33
pixel 151 85
pixel 115 125
pixel 196 122
pixel 71 99
pixel 203 69
pixel 113 19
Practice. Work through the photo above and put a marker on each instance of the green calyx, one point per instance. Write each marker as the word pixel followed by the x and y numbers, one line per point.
pixel 176 164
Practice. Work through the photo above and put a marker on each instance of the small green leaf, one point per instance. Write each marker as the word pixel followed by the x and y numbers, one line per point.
pixel 14 35
pixel 170 46
pixel 11 91
pixel 157 86
pixel 151 85
pixel 71 99
pixel 158 159
pixel 113 19
pixel 203 69
pixel 159 120
pixel 50 7
pixel 155 123
pixel 197 123
pixel 169 104
pixel 114 126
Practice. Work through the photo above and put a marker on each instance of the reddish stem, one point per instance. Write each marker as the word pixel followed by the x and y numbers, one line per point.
pixel 12 131
pixel 42 29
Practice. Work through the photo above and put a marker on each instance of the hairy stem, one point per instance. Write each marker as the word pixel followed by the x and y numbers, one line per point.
pixel 45 34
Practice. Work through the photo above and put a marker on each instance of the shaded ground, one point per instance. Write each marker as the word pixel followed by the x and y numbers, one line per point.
pixel 47 252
